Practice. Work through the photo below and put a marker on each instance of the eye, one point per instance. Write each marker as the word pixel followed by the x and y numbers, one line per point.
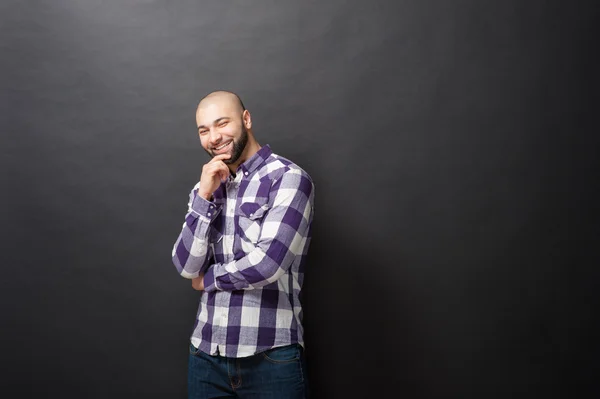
pixel 223 124
pixel 203 132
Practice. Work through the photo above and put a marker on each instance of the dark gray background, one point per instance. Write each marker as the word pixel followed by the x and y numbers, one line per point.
pixel 452 145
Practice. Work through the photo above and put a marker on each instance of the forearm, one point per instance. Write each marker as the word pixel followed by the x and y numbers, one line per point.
pixel 243 274
pixel 191 252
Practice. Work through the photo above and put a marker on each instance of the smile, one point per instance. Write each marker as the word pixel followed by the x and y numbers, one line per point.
pixel 223 146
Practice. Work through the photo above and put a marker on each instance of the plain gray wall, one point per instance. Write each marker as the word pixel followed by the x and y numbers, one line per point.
pixel 452 146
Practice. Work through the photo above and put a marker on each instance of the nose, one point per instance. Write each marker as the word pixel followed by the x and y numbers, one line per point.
pixel 214 137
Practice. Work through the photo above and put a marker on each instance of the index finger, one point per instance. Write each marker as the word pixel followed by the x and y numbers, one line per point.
pixel 219 157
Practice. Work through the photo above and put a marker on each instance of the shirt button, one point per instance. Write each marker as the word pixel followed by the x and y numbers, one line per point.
pixel 246 173
pixel 208 213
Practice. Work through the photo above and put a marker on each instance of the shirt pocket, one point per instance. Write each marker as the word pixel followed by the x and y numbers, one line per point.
pixel 250 218
pixel 253 210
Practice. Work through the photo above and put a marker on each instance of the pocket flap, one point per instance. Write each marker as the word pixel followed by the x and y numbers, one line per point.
pixel 253 210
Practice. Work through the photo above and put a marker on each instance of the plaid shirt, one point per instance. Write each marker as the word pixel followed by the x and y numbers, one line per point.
pixel 251 243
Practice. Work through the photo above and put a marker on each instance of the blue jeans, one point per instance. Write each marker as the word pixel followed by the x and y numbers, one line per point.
pixel 278 373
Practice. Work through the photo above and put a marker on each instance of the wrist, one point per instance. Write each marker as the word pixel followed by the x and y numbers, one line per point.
pixel 205 195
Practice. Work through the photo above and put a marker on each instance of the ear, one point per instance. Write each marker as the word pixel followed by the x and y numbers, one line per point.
pixel 247 119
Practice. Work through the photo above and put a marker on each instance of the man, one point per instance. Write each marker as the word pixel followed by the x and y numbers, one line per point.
pixel 243 245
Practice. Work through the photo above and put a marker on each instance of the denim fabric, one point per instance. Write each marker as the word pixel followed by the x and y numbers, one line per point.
pixel 278 373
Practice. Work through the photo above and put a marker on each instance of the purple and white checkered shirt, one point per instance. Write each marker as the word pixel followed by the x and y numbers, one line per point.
pixel 251 243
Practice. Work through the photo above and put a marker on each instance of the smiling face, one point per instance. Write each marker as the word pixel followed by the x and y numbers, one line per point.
pixel 223 126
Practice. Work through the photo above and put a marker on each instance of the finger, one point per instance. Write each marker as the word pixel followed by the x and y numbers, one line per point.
pixel 224 172
pixel 224 168
pixel 219 157
pixel 221 169
pixel 217 168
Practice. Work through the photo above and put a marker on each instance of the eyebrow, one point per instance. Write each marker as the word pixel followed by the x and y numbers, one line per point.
pixel 216 121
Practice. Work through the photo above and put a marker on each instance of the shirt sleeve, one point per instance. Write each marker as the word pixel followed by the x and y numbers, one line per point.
pixel 283 238
pixel 191 253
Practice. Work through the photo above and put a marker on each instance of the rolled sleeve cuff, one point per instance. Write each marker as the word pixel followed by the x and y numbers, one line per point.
pixel 204 208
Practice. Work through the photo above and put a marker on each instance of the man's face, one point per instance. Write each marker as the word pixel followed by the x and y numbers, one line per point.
pixel 222 131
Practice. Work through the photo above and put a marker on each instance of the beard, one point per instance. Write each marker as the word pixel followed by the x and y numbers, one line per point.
pixel 238 147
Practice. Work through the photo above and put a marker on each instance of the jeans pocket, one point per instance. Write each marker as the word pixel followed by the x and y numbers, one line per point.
pixel 193 350
pixel 283 354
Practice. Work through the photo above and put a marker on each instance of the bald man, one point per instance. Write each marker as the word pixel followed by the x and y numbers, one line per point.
pixel 243 244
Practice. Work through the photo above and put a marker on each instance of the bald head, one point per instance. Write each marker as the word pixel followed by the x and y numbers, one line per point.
pixel 223 98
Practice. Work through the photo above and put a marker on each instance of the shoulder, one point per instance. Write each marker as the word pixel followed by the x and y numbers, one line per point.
pixel 283 173
pixel 277 166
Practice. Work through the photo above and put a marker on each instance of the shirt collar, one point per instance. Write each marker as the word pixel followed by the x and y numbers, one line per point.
pixel 252 163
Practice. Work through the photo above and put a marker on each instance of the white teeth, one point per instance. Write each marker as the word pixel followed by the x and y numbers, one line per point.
pixel 223 146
